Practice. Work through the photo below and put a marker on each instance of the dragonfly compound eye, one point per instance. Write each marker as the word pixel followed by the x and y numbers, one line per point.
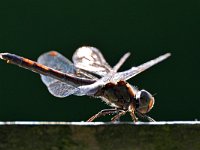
pixel 145 100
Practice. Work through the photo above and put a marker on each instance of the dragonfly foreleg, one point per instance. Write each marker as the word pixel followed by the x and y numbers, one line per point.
pixel 144 116
pixel 134 118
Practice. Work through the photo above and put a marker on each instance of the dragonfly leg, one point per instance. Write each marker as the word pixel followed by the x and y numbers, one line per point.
pixel 102 113
pixel 144 116
pixel 117 117
pixel 134 118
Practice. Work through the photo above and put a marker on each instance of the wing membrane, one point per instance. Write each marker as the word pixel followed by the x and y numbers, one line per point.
pixel 90 58
pixel 58 62
pixel 61 89
pixel 125 75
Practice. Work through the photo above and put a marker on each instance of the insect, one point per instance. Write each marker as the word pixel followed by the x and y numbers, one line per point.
pixel 91 75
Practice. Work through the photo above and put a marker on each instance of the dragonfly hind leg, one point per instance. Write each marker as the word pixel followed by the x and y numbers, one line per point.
pixel 103 113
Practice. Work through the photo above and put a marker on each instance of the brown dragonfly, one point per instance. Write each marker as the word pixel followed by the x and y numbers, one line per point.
pixel 91 75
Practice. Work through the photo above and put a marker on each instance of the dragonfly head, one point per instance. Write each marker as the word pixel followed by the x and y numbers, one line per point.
pixel 144 101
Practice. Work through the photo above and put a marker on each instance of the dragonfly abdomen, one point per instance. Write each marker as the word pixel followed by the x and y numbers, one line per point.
pixel 44 70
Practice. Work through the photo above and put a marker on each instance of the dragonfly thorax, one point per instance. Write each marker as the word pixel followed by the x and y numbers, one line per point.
pixel 119 94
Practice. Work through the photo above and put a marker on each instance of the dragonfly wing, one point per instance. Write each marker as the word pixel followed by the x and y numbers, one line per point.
pixel 89 90
pixel 61 89
pixel 91 59
pixel 125 75
pixel 58 62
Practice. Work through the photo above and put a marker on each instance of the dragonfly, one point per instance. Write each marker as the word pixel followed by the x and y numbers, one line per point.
pixel 91 75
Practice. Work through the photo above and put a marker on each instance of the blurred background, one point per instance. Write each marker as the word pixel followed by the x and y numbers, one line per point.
pixel 145 28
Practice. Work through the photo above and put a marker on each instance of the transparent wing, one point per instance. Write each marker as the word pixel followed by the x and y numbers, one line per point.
pixel 125 75
pixel 61 89
pixel 90 89
pixel 58 62
pixel 91 59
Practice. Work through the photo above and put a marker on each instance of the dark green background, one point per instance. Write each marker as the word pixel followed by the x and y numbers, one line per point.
pixel 145 28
